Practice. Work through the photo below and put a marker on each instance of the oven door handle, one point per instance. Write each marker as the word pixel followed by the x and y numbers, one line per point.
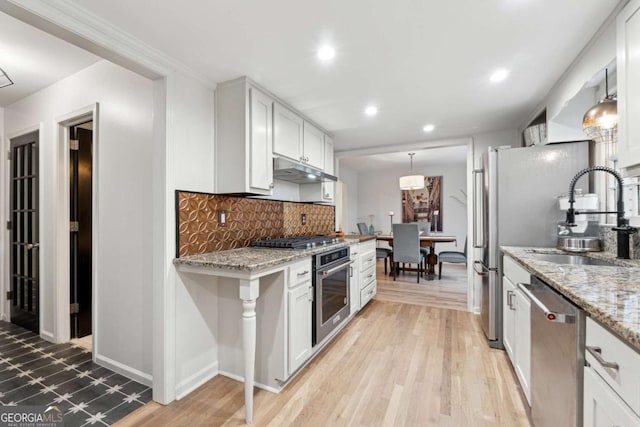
pixel 334 269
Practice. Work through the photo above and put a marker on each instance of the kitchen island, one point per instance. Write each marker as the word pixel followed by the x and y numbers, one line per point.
pixel 256 271
pixel 609 294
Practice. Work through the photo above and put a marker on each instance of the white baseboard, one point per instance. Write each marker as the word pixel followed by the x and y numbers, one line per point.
pixel 125 370
pixel 476 309
pixel 47 336
pixel 196 380
pixel 257 384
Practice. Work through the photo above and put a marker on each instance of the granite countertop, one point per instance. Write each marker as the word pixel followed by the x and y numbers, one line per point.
pixel 359 237
pixel 250 259
pixel 609 294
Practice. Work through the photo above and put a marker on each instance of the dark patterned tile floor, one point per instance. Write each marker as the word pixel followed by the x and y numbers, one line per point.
pixel 36 372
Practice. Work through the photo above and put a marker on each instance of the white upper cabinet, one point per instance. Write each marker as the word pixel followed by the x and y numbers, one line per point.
pixel 328 155
pixel 628 42
pixel 244 139
pixel 287 133
pixel 296 138
pixel 313 146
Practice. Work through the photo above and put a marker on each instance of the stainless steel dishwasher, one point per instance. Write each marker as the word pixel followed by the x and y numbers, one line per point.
pixel 557 356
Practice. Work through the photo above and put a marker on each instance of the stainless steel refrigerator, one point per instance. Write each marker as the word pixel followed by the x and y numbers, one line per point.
pixel 518 207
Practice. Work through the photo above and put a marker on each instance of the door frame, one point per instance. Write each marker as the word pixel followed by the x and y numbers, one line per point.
pixel 62 327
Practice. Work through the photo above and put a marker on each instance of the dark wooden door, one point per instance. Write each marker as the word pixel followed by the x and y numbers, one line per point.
pixel 24 240
pixel 80 175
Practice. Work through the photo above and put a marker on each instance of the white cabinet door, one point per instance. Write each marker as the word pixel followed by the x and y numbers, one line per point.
pixel 299 325
pixel 261 147
pixel 354 279
pixel 508 316
pixel 244 139
pixel 602 407
pixel 328 188
pixel 628 72
pixel 522 346
pixel 313 146
pixel 287 133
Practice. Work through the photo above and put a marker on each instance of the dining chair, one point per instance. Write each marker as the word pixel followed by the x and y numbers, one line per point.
pixel 406 248
pixel 454 257
pixel 384 254
pixel 362 228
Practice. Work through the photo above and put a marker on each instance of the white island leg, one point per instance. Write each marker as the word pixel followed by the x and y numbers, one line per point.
pixel 249 290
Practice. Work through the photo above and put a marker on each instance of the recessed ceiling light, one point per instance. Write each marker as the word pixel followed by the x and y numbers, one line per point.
pixel 428 128
pixel 371 110
pixel 326 53
pixel 499 75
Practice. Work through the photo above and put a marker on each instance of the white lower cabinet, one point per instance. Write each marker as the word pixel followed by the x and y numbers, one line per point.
pixel 354 278
pixel 602 406
pixel 611 379
pixel 300 300
pixel 522 345
pixel 368 283
pixel 299 312
pixel 516 322
pixel 508 316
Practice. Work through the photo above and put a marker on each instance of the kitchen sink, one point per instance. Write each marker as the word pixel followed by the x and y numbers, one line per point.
pixel 571 259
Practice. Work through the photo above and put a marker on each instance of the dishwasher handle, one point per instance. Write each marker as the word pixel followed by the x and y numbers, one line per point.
pixel 550 315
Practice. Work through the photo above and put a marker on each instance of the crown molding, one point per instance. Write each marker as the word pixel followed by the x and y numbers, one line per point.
pixel 76 25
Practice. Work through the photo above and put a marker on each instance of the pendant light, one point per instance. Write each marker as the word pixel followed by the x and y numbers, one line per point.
pixel 600 123
pixel 412 182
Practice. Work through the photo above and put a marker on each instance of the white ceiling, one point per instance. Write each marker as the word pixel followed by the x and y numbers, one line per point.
pixel 34 59
pixel 419 61
pixel 428 157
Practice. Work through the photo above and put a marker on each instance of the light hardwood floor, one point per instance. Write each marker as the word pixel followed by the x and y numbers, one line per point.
pixel 450 292
pixel 395 364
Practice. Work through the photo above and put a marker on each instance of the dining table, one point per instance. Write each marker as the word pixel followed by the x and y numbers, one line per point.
pixel 426 241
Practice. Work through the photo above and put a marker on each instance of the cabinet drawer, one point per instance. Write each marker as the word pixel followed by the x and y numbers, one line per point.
pixel 514 271
pixel 367 260
pixel 354 251
pixel 625 380
pixel 367 276
pixel 367 293
pixel 602 407
pixel 299 272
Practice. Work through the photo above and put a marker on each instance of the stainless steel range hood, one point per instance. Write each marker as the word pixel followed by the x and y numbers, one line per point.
pixel 299 173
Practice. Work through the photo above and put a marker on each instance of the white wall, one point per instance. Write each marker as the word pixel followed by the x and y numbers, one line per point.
pixel 600 53
pixel 349 200
pixel 124 209
pixel 378 193
pixel 185 326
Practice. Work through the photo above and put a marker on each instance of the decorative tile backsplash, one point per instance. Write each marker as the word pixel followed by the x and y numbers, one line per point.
pixel 198 229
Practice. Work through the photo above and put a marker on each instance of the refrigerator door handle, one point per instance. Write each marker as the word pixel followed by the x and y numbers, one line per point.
pixel 475 210
pixel 484 270
pixel 550 315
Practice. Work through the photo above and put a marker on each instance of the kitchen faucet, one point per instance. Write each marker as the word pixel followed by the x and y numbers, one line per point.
pixel 622 227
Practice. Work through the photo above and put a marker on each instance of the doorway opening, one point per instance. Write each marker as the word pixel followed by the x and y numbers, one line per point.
pixel 80 239
pixel 24 291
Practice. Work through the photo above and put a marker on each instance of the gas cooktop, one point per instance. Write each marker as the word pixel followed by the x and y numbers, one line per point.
pixel 299 242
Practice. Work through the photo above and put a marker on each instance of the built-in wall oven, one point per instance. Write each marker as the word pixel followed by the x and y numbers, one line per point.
pixel 331 291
